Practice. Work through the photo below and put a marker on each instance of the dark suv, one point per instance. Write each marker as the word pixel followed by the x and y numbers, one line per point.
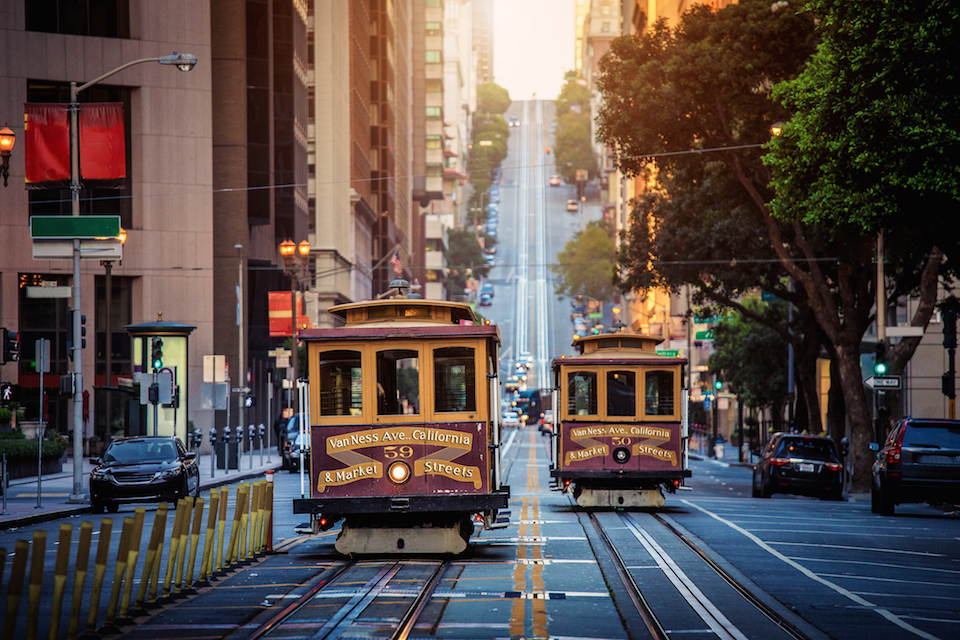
pixel 799 464
pixel 918 462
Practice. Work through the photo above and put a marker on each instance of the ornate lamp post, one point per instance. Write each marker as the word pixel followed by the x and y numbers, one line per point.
pixel 7 139
pixel 295 259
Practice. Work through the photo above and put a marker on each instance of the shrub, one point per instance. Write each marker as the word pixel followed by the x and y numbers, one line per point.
pixel 21 449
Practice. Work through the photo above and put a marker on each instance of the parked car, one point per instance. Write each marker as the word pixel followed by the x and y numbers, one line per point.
pixel 799 464
pixel 918 462
pixel 555 181
pixel 289 432
pixel 291 453
pixel 510 419
pixel 143 469
pixel 573 205
pixel 487 288
pixel 491 259
pixel 486 300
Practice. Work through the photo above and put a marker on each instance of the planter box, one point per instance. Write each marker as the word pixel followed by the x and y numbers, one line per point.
pixel 21 468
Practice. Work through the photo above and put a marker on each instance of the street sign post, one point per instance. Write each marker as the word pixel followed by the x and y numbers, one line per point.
pixel 703 335
pixel 74 227
pixel 883 382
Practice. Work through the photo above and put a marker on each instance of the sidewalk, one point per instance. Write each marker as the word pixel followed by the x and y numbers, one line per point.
pixel 55 489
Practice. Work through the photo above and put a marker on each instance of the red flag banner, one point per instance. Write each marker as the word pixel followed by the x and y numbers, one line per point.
pixel 279 313
pixel 46 145
pixel 103 156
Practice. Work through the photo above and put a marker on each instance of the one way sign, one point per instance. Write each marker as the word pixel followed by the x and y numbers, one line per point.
pixel 883 382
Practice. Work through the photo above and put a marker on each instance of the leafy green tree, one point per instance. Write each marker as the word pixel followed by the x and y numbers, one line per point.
pixel 492 98
pixel 751 358
pixel 464 259
pixel 706 86
pixel 584 266
pixel 573 148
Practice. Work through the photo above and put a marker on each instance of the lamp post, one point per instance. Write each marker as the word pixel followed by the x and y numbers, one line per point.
pixel 295 259
pixel 240 364
pixel 108 324
pixel 7 139
pixel 184 62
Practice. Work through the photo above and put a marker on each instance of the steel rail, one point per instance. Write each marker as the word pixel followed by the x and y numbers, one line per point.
pixel 633 590
pixel 409 619
pixel 787 626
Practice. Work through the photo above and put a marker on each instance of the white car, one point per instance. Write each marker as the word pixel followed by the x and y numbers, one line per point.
pixel 510 419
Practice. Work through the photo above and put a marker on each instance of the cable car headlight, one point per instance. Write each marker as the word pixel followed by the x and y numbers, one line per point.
pixel 398 472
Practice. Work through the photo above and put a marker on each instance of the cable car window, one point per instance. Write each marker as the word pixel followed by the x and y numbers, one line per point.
pixel 398 382
pixel 455 379
pixel 621 393
pixel 582 393
pixel 659 393
pixel 340 384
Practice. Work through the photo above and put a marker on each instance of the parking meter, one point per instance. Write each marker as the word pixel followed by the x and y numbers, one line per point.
pixel 213 451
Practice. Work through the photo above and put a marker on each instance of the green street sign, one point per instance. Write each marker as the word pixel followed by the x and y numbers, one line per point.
pixel 596 316
pixel 703 335
pixel 704 320
pixel 668 353
pixel 71 227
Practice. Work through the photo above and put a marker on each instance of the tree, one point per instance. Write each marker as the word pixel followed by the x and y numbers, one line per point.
pixel 492 98
pixel 706 86
pixel 464 259
pixel 871 147
pixel 751 358
pixel 573 149
pixel 584 266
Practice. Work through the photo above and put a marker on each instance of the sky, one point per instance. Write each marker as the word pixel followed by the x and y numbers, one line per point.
pixel 533 45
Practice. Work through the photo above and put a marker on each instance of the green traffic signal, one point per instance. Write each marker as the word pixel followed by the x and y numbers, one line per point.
pixel 718 384
pixel 880 359
pixel 157 354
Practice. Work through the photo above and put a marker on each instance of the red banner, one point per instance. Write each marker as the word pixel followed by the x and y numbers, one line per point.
pixel 103 157
pixel 279 313
pixel 103 154
pixel 46 145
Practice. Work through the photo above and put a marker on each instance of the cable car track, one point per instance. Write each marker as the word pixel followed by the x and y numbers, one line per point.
pixel 359 584
pixel 693 593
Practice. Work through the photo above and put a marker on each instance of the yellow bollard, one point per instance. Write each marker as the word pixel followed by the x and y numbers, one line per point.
pixel 231 558
pixel 268 518
pixel 194 540
pixel 15 589
pixel 153 545
pixel 60 570
pixel 244 519
pixel 210 541
pixel 36 583
pixel 187 505
pixel 174 548
pixel 155 572
pixel 118 571
pixel 260 513
pixel 221 525
pixel 254 512
pixel 79 578
pixel 133 554
pixel 99 570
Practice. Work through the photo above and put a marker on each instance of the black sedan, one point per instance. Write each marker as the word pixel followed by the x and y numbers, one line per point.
pixel 292 452
pixel 143 469
pixel 799 464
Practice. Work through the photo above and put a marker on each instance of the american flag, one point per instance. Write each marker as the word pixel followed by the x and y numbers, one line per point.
pixel 395 261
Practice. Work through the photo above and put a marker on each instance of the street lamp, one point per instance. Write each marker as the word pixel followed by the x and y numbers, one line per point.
pixel 7 139
pixel 295 260
pixel 184 62
pixel 108 324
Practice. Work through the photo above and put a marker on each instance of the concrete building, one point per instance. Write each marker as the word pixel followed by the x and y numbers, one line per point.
pixel 166 205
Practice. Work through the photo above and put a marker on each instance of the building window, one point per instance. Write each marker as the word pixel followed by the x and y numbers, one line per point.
pixel 433 56
pixel 99 18
pixel 433 28
pixel 55 201
pixel 605 27
pixel 434 113
pixel 434 86
pixel 434 142
pixel 433 3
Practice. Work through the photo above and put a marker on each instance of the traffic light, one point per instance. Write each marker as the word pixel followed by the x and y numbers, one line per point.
pixel 718 384
pixel 11 346
pixel 950 329
pixel 156 354
pixel 880 359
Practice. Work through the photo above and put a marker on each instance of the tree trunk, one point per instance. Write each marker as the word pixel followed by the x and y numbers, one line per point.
pixel 858 413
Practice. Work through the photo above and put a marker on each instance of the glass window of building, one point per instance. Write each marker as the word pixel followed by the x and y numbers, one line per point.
pixel 340 383
pixel 398 382
pixel 582 393
pixel 455 379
